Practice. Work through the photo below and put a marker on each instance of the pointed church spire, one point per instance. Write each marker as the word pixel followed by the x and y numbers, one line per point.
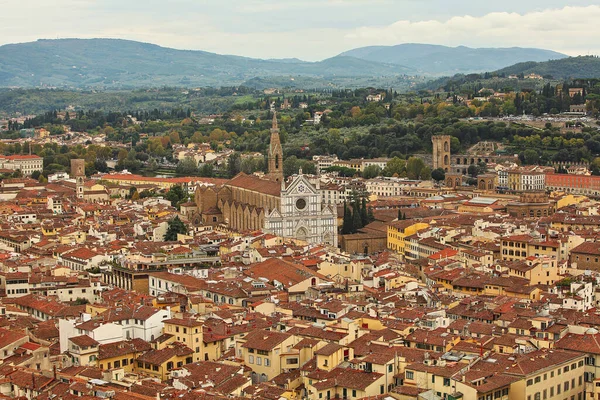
pixel 275 153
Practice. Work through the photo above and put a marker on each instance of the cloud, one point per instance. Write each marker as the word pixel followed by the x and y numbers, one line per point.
pixel 572 30
pixel 308 29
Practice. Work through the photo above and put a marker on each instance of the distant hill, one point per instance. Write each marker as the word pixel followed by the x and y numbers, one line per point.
pixel 122 63
pixel 566 68
pixel 442 60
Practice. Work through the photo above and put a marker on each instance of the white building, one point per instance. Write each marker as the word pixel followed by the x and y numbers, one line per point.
pixel 334 194
pixel 303 215
pixel 380 162
pixel 391 187
pixel 324 162
pixel 140 322
pixel 24 163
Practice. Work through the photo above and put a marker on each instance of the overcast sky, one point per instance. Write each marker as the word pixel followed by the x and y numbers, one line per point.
pixel 309 29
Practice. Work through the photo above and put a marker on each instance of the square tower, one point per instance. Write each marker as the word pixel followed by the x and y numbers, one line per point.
pixel 441 152
pixel 78 173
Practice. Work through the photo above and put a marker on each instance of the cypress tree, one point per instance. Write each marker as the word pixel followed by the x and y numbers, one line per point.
pixel 370 214
pixel 356 221
pixel 364 218
pixel 399 214
pixel 347 225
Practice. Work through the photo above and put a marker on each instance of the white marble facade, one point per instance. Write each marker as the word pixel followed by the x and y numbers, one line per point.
pixel 303 215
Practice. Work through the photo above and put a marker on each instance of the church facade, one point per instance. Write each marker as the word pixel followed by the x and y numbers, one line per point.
pixel 247 202
pixel 302 214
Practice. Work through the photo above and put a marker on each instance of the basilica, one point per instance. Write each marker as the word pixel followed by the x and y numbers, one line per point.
pixel 292 209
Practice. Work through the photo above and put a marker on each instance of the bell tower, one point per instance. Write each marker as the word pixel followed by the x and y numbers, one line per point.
pixel 441 152
pixel 78 173
pixel 275 154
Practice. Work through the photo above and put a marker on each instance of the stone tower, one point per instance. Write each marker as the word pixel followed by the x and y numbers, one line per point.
pixel 275 154
pixel 78 173
pixel 441 152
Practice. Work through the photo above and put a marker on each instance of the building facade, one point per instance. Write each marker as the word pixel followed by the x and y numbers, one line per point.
pixel 303 215
pixel 27 164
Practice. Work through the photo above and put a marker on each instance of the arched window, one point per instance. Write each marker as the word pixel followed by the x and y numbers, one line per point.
pixel 277 161
pixel 446 146
pixel 313 281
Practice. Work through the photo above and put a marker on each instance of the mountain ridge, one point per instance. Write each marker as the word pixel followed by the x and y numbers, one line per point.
pixel 118 62
pixel 445 60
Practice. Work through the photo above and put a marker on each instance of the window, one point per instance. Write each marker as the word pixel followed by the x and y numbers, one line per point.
pixel 258 361
pixel 251 359
pixel 446 381
pixel 566 386
pixel 267 362
pixel 537 379
pixel 529 382
pixel 410 375
pixel 390 368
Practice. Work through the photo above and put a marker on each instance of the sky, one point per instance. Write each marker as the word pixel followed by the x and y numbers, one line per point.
pixel 309 29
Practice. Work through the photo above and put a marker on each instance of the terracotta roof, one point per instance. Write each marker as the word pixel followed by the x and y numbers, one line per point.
pixel 264 340
pixel 83 341
pixel 256 184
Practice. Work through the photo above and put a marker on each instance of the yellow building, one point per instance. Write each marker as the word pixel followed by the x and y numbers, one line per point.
pixel 330 356
pixel 158 363
pixel 347 383
pixel 266 353
pixel 399 230
pixel 121 354
pixel 538 271
pixel 189 332
pixel 344 270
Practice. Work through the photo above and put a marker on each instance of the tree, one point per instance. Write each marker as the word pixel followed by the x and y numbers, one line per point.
pixel 347 224
pixel 415 168
pixel 364 217
pixel 372 171
pixel 438 175
pixel 396 166
pixel 473 170
pixel 175 195
pixel 207 171
pixel 175 227
pixel 234 164
pixel 531 157
pixel 370 215
pixel 187 167
pixel 356 219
